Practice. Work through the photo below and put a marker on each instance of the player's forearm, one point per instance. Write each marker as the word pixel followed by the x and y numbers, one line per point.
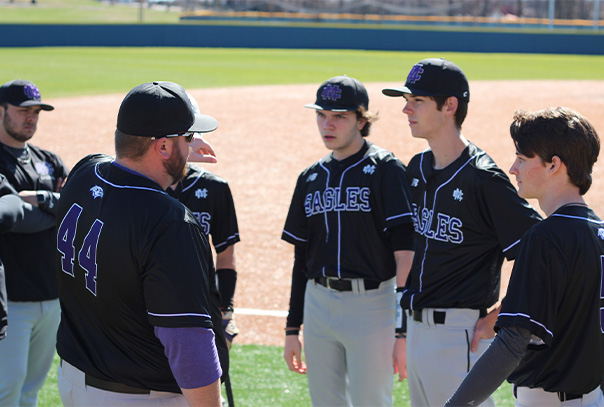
pixel 203 396
pixel 492 368
pixel 403 259
pixel 298 289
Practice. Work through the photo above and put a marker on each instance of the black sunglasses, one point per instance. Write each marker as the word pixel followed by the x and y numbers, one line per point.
pixel 188 135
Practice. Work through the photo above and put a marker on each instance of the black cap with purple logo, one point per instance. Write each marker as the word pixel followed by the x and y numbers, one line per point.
pixel 158 109
pixel 22 93
pixel 433 77
pixel 341 94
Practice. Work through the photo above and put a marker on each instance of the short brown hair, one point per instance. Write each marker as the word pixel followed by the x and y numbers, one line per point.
pixel 558 132
pixel 460 113
pixel 370 116
pixel 133 147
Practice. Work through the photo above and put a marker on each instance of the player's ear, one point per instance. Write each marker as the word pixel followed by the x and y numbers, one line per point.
pixel 451 105
pixel 163 148
pixel 555 165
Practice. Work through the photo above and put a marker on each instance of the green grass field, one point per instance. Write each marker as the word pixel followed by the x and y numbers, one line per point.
pixel 65 71
pixel 260 377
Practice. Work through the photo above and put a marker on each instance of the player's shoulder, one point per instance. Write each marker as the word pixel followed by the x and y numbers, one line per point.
pixel 199 175
pixel 43 153
pixel 90 161
pixel 381 154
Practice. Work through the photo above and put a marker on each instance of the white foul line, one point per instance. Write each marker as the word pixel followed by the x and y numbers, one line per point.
pixel 260 312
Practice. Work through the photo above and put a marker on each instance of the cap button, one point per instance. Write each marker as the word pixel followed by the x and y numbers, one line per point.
pixel 155 83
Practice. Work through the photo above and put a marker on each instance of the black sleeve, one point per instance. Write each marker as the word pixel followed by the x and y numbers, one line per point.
pixel 296 300
pixel 227 281
pixel 34 220
pixel 401 237
pixel 492 368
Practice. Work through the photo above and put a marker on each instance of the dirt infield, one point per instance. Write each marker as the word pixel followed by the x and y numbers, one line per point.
pixel 266 137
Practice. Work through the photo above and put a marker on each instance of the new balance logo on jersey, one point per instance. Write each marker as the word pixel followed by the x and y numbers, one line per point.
pixel 355 199
pixel 311 177
pixel 97 192
pixel 445 228
pixel 369 169
pixel 414 182
pixel 201 193
pixel 458 194
pixel 415 74
pixel 331 92
pixel 601 233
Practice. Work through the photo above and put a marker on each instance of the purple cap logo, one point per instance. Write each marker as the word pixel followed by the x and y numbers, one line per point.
pixel 415 74
pixel 331 92
pixel 31 91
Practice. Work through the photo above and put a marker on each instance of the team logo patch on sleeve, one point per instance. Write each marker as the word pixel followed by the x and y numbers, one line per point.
pixel 458 195
pixel 369 169
pixel 96 191
pixel 201 193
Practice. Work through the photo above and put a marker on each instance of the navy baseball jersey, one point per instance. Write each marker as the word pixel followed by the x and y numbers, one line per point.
pixel 467 217
pixel 30 277
pixel 123 270
pixel 557 292
pixel 209 197
pixel 343 211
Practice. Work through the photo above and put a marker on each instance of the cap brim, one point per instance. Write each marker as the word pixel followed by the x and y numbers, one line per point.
pixel 407 91
pixel 317 107
pixel 44 106
pixel 204 124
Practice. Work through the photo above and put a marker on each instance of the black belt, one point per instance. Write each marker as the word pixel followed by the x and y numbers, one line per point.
pixel 337 284
pixel 438 316
pixel 113 386
pixel 562 396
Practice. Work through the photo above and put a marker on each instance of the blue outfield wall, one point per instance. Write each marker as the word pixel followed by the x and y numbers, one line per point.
pixel 256 36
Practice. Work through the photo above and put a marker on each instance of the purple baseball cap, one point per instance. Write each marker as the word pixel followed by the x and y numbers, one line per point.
pixel 22 93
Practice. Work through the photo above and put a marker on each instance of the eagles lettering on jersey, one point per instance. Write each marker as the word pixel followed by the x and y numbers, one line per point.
pixel 446 228
pixel 356 199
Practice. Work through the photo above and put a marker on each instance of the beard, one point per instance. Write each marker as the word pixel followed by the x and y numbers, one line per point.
pixel 176 165
pixel 11 130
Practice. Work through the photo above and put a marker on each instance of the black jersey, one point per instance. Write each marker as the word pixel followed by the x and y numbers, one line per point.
pixel 557 292
pixel 209 197
pixel 467 217
pixel 30 277
pixel 343 211
pixel 129 258
pixel 5 189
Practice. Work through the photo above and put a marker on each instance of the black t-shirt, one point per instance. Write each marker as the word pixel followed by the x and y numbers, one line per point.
pixel 29 258
pixel 343 211
pixel 209 197
pixel 130 258
pixel 467 217
pixel 557 292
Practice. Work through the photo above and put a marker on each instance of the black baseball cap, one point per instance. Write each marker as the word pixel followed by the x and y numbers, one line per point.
pixel 341 94
pixel 433 77
pixel 22 93
pixel 160 108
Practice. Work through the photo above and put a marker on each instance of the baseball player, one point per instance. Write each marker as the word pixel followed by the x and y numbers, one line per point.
pixel 350 224
pixel 209 197
pixel 550 331
pixel 11 212
pixel 140 312
pixel 36 174
pixel 467 217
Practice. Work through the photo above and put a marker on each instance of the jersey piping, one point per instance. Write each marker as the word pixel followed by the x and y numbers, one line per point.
pixel 421 275
pixel 184 314
pixel 99 176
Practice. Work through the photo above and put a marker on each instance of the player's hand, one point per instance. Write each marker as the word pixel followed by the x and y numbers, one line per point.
pixel 230 330
pixel 399 358
pixel 201 151
pixel 485 328
pixel 293 354
pixel 30 197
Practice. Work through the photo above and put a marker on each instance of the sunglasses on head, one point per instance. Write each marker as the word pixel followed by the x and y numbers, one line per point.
pixel 188 135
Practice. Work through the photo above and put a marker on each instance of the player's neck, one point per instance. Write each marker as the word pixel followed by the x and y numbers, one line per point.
pixel 559 198
pixel 447 148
